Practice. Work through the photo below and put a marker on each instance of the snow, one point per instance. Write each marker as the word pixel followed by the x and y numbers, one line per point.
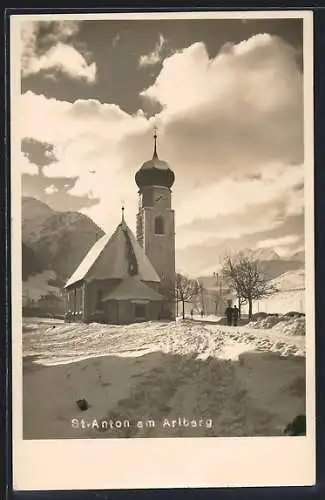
pixel 289 297
pixel 282 302
pixel 241 378
pixel 295 325
pixel 291 280
pixel 208 317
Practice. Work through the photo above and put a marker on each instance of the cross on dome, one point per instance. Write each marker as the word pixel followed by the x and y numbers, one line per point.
pixel 122 208
pixel 155 130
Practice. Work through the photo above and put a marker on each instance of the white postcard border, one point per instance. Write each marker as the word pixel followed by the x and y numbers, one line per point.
pixel 172 462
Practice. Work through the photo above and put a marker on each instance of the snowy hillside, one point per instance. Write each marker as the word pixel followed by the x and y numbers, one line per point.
pixel 291 280
pixel 290 295
pixel 235 381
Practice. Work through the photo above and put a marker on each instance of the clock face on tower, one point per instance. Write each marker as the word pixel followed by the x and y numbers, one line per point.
pixel 159 198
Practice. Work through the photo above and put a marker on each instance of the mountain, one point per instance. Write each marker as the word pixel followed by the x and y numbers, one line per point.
pixel 274 268
pixel 262 254
pixel 300 256
pixel 58 240
pixel 32 263
pixel 34 213
pixel 271 264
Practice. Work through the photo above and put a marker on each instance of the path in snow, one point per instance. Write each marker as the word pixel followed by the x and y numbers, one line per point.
pixel 67 342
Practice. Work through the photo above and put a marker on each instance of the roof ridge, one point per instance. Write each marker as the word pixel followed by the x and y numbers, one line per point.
pixel 133 267
pixel 135 260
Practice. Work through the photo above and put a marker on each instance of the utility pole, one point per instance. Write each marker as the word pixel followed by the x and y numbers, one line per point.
pixel 219 289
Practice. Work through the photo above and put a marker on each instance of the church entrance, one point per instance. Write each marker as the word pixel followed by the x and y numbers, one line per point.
pixel 140 312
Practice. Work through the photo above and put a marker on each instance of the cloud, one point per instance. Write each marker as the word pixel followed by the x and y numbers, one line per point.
pixel 155 56
pixel 283 245
pixel 284 241
pixel 62 123
pixel 26 166
pixel 248 70
pixel 59 56
pixel 236 233
pixel 233 196
pixel 224 227
pixel 231 128
pixel 234 112
pixel 40 153
pixel 66 59
pixel 88 143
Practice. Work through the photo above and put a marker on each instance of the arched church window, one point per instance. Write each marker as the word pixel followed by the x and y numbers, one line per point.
pixel 159 225
pixel 99 301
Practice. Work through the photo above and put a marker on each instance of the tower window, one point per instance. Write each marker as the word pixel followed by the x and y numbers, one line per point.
pixel 159 225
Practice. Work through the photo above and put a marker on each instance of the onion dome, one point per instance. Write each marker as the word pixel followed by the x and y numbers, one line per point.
pixel 155 172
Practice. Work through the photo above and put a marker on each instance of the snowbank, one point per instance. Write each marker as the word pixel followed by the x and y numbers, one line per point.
pixel 57 342
pixel 288 324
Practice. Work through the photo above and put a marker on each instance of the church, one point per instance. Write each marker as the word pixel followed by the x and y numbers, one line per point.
pixel 126 278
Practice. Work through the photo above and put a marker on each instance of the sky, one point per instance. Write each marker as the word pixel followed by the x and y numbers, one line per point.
pixel 227 98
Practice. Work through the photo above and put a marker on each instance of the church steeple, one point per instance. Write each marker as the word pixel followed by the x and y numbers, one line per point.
pixel 155 155
pixel 156 223
pixel 122 212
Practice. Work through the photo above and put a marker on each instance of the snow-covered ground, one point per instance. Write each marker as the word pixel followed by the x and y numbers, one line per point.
pixel 242 381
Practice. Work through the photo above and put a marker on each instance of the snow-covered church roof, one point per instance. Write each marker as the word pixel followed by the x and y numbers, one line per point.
pixel 115 257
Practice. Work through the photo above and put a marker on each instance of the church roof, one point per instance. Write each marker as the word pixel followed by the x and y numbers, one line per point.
pixel 115 257
pixel 132 288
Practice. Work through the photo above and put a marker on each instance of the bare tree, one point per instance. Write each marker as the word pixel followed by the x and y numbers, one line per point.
pixel 186 290
pixel 245 275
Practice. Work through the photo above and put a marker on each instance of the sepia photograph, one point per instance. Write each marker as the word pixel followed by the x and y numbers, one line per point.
pixel 162 207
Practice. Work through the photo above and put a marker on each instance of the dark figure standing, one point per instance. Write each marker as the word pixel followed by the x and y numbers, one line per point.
pixel 235 315
pixel 228 313
pixel 191 313
pixel 202 313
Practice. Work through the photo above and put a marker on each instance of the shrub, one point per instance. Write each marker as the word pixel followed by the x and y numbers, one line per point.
pixel 293 314
pixel 258 316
